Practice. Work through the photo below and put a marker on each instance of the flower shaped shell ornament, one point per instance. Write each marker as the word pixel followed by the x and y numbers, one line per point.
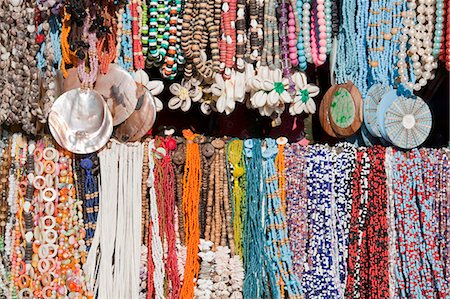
pixel 155 87
pixel 184 94
pixel 223 91
pixel 304 92
pixel 270 91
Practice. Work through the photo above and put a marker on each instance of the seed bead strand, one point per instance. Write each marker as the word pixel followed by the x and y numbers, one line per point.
pixel 191 196
pixel 236 160
pixel 179 158
pixel 277 221
pixel 344 166
pixel 377 262
pixel 296 201
pixel 321 268
pixel 358 221
pixel 424 161
pixel 228 207
pixel 254 233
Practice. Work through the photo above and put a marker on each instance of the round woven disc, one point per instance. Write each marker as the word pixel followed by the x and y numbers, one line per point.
pixel 408 122
pixel 374 96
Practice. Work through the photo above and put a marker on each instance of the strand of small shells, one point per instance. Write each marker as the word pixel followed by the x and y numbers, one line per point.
pixel 19 92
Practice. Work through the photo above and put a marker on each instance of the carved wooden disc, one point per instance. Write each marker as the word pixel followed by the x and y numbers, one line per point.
pixel 343 104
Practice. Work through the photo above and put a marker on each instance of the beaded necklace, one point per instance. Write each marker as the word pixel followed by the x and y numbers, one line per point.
pixel 321 265
pixel 173 56
pixel 425 163
pixel 351 59
pixel 236 159
pixel 124 56
pixel 20 279
pixel 344 165
pixel 296 201
pixel 106 46
pixel 419 271
pixel 254 233
pixel 241 37
pixel 442 208
pixel 377 228
pixel 91 196
pixel 207 153
pixel 357 223
pixel 227 43
pixel 138 58
pixel 179 159
pixel 145 223
pixel 5 162
pixel 164 180
pixel 270 54
pixel 191 196
pixel 157 252
pixel 281 276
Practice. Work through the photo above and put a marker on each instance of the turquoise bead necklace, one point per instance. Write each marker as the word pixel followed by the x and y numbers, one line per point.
pixel 253 238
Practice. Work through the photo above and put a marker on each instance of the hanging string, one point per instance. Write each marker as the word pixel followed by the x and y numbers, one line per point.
pixel 191 198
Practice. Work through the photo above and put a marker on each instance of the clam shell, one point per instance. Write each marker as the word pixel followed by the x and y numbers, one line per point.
pixel 80 121
pixel 118 88
pixel 141 120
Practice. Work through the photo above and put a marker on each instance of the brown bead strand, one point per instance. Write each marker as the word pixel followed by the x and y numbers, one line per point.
pixel 179 158
pixel 207 158
pixel 209 204
pixel 186 29
pixel 217 201
pixel 227 206
pixel 4 166
pixel 223 234
pixel 145 201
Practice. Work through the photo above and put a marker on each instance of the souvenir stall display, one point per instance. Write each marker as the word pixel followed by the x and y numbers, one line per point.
pixel 97 202
pixel 256 218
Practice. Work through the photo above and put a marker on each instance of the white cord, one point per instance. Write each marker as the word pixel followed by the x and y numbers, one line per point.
pixel 157 250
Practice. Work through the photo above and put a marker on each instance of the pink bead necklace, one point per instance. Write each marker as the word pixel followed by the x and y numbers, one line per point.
pixel 88 78
pixel 293 56
pixel 319 46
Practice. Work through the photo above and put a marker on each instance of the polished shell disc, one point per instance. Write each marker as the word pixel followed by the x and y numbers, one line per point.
pixel 141 120
pixel 408 122
pixel 118 88
pixel 80 121
pixel 373 98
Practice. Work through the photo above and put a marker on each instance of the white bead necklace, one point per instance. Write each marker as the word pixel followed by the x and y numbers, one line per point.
pixel 418 32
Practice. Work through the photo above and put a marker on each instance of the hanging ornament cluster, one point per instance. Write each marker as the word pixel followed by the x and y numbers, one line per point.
pixel 386 49
pixel 200 217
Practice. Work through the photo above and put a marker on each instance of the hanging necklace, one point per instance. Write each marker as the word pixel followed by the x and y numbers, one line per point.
pixel 191 196
pixel 236 159
pixel 357 223
pixel 281 277
pixel 296 201
pixel 254 233
pixel 321 269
